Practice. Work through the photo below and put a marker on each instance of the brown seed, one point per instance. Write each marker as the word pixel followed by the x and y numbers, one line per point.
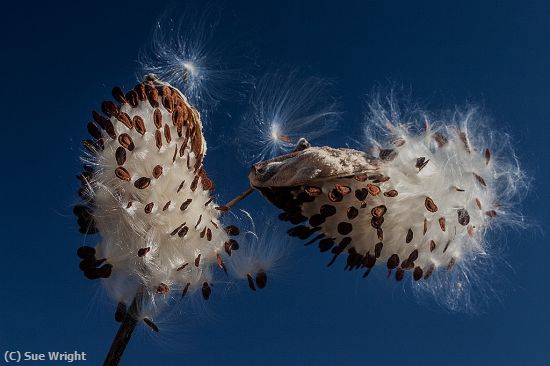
pixel 446 246
pixel 261 279
pixel 464 138
pixel 409 237
pixel 379 178
pixel 393 261
pixel 344 228
pixel 109 108
pixel 417 273
pixel 175 231
pixel 378 211
pixel 442 224
pixel 140 91
pixel 335 196
pixel 125 119
pixel 151 325
pixel 142 183
pixel 342 189
pixel 413 256
pixel 430 205
pixel 120 155
pixel 361 194
pixel 122 173
pixel 378 249
pixel 325 244
pixel 165 90
pixel 206 291
pixel 166 205
pixel 313 191
pixel 392 193
pixel 203 232
pixel 361 177
pixel 352 212
pixel 162 289
pixel 425 226
pixel 250 282
pixel 470 230
pixel 399 274
pixel 487 156
pixel 398 142
pixel 132 98
pixel 440 139
pixel 376 222
pixel 432 245
pixel 140 125
pixel 480 180
pixel 175 153
pixel 178 116
pixel 157 118
pixel 232 230
pixel 129 204
pixel 327 210
pixel 374 190
pixel 380 234
pixel 185 289
pixel 94 131
pixel 198 221
pixel 143 251
pixel 153 96
pixel 168 102
pixel 463 217
pixel 421 163
pixel 208 234
pixel 458 189
pixel 99 119
pixel 387 154
pixel 429 271
pixel 451 264
pixel 183 231
pixel 182 267
pixel 491 213
pixel 118 94
pixel 126 141
pixel 197 260
pixel 120 312
pixel 186 204
pixel 149 207
pixel 158 140
pixel 157 171
pixel 478 203
pixel 85 252
pixel 167 135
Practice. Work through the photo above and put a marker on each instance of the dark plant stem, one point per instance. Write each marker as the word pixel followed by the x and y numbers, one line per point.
pixel 125 331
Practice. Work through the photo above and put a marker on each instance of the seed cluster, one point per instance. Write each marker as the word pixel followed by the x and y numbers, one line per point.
pixel 145 190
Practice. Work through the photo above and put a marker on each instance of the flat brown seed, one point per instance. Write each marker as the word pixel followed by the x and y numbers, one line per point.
pixel 491 213
pixel 126 141
pixel 151 325
pixel 442 224
pixel 203 233
pixel 425 229
pixel 478 203
pixel 167 134
pixel 158 139
pixel 421 163
pixel 198 260
pixel 118 94
pixel 208 234
pixel 142 183
pixel 373 189
pixel 352 212
pixel 157 171
pixel 399 274
pixel 327 210
pixel 376 222
pixel 182 267
pixel 342 189
pixel 120 155
pixel 132 98
pixel 378 249
pixel 162 289
pixel 440 139
pixel 313 191
pixel 361 177
pixel 183 231
pixel 393 261
pixel 153 97
pixel 398 142
pixel 140 91
pixel 143 251
pixel 487 156
pixel 410 236
pixel 432 245
pixel 109 108
pixel 344 228
pixel 120 312
pixel 261 279
pixel 157 118
pixel 140 125
pixel 168 102
pixel 417 273
pixel 206 291
pixel 250 282
pixel 178 116
pixel 361 194
pixel 94 131
pixel 185 289
pixel 122 173
pixel 186 204
pixel 380 234
pixel 125 119
pixel 232 230
pixel 463 217
pixel 392 193
pixel 378 211
pixel 480 180
pixel 430 205
pixel 387 154
pixel 149 207
pixel 166 206
pixel 335 196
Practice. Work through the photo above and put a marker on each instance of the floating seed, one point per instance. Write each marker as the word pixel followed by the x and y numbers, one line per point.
pixel 417 273
pixel 478 203
pixel 429 271
pixel 120 312
pixel 203 232
pixel 175 153
pixel 140 91
pixel 157 118
pixel 398 142
pixel 421 163
pixel 178 116
pixel 140 125
pixel 393 261
pixel 373 189
pixel 352 213
pixel 118 94
pixel 440 139
pixel 166 205
pixel 94 131
pixel 183 231
pixel 122 173
pixel 167 135
pixel 378 211
pixel 143 251
pixel 442 224
pixel 344 228
pixel 126 141
pixel 182 267
pixel 430 205
pixel 491 213
pixel 463 217
pixel 446 246
pixel 208 234
pixel 261 279
pixel 327 210
pixel 168 102
pixel 335 196
pixel 197 260
pixel 342 189
pixel 487 156
pixel 316 220
pixel 451 264
pixel 206 291
pixel 142 183
pixel 313 191
pixel 185 204
pixel 120 155
pixel 129 204
pixel 158 141
pixel 185 289
pixel 387 154
pixel 325 244
pixel 376 222
pixel 409 237
pixel 149 207
pixel 198 221
pixel 157 171
pixel 151 325
pixel 392 193
pixel 109 108
pixel 132 98
pixel 250 282
pixel 378 249
pixel 175 231
pixel 432 245
pixel 480 180
pixel 153 97
pixel 361 177
pixel 379 178
pixel 464 138
pixel 361 194
pixel 399 274
pixel 125 119
pixel 232 230
pixel 85 252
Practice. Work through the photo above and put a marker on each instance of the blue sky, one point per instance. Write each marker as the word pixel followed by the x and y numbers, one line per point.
pixel 61 60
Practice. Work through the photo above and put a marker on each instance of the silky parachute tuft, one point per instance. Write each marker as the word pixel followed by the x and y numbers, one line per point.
pixel 144 189
pixel 419 201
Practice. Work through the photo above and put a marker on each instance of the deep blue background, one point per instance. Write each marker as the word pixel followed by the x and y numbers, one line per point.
pixel 60 60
